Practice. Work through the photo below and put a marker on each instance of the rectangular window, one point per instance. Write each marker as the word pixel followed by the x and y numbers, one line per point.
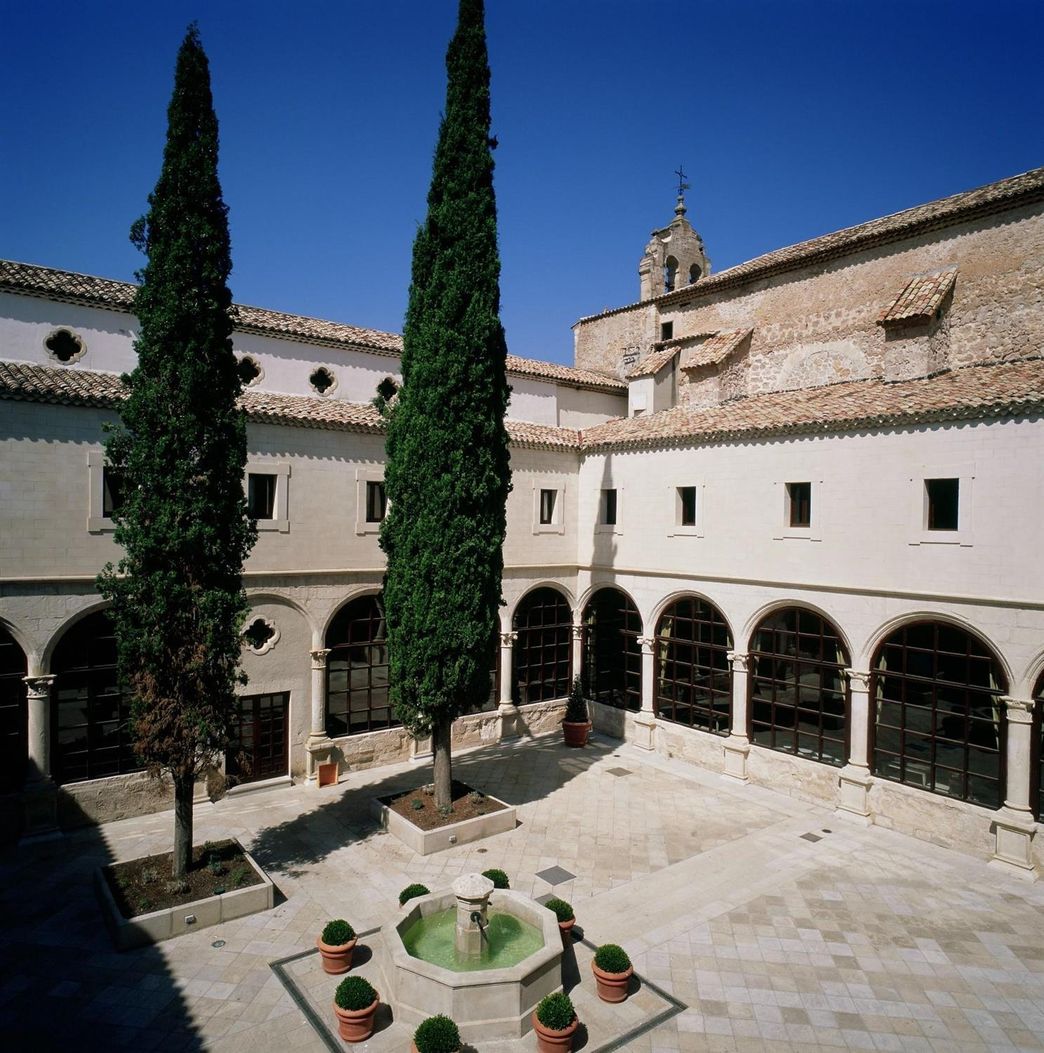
pixel 687 506
pixel 666 330
pixel 261 493
pixel 376 502
pixel 799 504
pixel 608 510
pixel 942 503
pixel 112 491
pixel 547 506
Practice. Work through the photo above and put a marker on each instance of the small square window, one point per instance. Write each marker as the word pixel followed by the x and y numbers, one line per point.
pixel 799 504
pixel 687 506
pixel 942 503
pixel 547 506
pixel 666 330
pixel 376 502
pixel 112 491
pixel 261 493
pixel 608 508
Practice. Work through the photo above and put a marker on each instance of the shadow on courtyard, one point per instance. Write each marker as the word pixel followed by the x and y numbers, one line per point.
pixel 514 775
pixel 64 984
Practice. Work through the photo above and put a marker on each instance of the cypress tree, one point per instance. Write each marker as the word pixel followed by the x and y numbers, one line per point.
pixel 447 474
pixel 180 450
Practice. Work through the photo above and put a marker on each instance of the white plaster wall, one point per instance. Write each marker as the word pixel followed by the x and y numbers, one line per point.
pixel 532 400
pixel 580 408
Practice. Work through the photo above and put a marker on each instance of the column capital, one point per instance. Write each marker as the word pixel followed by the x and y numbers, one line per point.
pixel 738 660
pixel 508 639
pixel 39 685
pixel 319 656
pixel 1018 710
pixel 647 644
pixel 578 630
pixel 858 679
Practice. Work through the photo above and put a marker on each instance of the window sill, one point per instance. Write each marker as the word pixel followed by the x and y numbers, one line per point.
pixel 685 531
pixel 605 528
pixel 548 528
pixel 100 525
pixel 962 539
pixel 280 525
pixel 362 529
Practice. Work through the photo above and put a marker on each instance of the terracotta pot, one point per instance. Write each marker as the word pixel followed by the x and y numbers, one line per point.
pixel 612 987
pixel 566 929
pixel 356 1025
pixel 576 733
pixel 337 958
pixel 549 1041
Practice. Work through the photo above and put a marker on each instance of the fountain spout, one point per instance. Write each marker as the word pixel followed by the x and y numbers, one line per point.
pixel 472 892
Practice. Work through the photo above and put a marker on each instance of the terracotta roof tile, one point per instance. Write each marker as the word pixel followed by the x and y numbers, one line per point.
pixel 653 363
pixel 119 296
pixel 984 391
pixel 28 382
pixel 920 299
pixel 715 349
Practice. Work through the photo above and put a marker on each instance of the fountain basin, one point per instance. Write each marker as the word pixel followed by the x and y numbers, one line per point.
pixel 485 1003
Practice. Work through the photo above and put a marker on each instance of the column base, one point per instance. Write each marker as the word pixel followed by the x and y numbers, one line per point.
pixel 1013 852
pixel 737 750
pixel 645 730
pixel 510 722
pixel 318 750
pixel 40 810
pixel 421 749
pixel 854 792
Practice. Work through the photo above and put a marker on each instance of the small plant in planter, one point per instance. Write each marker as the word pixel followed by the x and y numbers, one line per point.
pixel 412 892
pixel 576 724
pixel 555 1023
pixel 437 1034
pixel 336 945
pixel 498 877
pixel 566 918
pixel 355 1003
pixel 612 969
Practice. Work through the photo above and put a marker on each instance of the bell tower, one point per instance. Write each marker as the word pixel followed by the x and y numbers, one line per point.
pixel 675 256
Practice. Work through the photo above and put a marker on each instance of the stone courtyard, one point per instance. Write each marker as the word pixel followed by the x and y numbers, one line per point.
pixel 755 921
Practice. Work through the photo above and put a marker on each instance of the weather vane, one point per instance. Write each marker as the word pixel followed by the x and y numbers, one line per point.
pixel 682 185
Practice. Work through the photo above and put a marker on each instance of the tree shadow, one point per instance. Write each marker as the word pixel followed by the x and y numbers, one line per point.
pixel 515 775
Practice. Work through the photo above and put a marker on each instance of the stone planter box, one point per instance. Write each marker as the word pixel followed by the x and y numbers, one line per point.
pixel 425 842
pixel 174 921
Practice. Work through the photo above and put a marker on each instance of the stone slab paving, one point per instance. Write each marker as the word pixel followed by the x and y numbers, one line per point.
pixel 862 939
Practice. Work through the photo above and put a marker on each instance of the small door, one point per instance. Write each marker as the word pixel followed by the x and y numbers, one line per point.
pixel 259 737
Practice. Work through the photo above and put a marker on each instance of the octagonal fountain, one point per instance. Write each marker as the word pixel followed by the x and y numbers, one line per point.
pixel 484 964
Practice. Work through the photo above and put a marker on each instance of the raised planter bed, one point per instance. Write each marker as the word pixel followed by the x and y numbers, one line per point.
pixel 163 924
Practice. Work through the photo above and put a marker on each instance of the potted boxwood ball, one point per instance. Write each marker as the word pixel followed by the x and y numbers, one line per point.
pixel 566 918
pixel 612 969
pixel 336 945
pixel 355 1003
pixel 498 877
pixel 412 892
pixel 555 1023
pixel 576 724
pixel 437 1034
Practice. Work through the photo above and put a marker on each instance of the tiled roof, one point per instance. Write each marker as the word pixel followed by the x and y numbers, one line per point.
pixel 715 349
pixel 983 201
pixel 920 299
pixel 53 284
pixel 985 391
pixel 28 382
pixel 652 364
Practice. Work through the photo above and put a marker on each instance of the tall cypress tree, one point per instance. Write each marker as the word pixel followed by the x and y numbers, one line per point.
pixel 447 474
pixel 177 597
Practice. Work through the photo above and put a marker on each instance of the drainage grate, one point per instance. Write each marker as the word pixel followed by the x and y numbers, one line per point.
pixel 620 771
pixel 555 875
pixel 811 837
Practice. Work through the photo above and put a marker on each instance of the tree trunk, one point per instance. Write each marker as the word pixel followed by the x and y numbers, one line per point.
pixel 440 742
pixel 184 787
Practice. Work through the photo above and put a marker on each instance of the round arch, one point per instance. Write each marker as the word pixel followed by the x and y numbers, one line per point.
pixel 256 599
pixel 759 615
pixel 47 658
pixel 797 690
pixel 542 656
pixel 323 628
pixel 508 610
pixel 680 594
pixel 611 666
pixel 938 721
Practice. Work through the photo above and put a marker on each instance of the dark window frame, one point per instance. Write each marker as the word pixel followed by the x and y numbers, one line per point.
pixel 548 501
pixel 608 505
pixel 611 665
pixel 14 713
pixel 258 500
pixel 688 506
pixel 1037 754
pixel 112 491
pixel 799 505
pixel 376 501
pixel 266 765
pixel 943 504
pixel 542 658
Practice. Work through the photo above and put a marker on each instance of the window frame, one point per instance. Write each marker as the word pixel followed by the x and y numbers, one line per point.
pixel 920 534
pixel 375 493
pixel 363 476
pixel 280 521
pixel 677 527
pixel 816 504
pixel 557 524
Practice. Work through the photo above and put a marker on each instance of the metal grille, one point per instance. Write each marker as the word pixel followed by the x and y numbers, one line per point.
pixel 612 655
pixel 357 697
pixel 543 653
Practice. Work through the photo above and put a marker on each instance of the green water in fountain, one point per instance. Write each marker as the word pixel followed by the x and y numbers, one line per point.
pixel 433 939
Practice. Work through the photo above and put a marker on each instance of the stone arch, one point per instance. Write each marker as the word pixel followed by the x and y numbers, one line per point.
pixel 611 663
pixel 323 626
pixel 508 610
pixel 758 616
pixel 93 607
pixel 678 594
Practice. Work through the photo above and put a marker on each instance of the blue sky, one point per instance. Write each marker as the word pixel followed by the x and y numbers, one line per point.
pixel 792 118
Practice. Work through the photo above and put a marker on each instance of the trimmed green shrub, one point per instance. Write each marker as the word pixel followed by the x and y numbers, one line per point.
pixel 556 1011
pixel 412 892
pixel 576 704
pixel 337 933
pixel 355 993
pixel 612 959
pixel 562 910
pixel 437 1034
pixel 498 877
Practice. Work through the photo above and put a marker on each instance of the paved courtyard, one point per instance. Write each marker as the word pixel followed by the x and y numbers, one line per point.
pixel 756 922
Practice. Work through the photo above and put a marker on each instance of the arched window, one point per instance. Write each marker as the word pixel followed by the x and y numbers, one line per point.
pixel 670 274
pixel 798 689
pixel 357 698
pixel 543 653
pixel 693 674
pixel 694 273
pixel 612 665
pixel 91 716
pixel 1037 786
pixel 13 714
pixel 939 720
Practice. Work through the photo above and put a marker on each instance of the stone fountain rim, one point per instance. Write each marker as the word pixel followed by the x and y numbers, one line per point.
pixel 438 901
